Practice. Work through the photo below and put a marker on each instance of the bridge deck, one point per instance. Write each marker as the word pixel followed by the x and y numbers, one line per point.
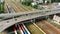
pixel 7 23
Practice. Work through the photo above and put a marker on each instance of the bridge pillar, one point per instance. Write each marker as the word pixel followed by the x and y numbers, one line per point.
pixel 33 20
pixel 46 17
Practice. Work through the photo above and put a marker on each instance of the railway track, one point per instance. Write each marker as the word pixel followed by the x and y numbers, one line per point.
pixel 16 6
pixel 33 29
pixel 52 22
pixel 6 9
pixel 48 28
pixel 13 6
pixel 11 10
pixel 19 6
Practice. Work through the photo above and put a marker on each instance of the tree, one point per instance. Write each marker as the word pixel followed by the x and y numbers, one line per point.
pixel 55 1
pixel 27 2
pixel 2 7
pixel 43 1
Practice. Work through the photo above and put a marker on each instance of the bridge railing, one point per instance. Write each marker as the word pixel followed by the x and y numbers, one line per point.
pixel 8 15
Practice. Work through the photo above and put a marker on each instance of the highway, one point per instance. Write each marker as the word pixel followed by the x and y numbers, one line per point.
pixel 10 6
pixel 21 18
pixel 25 14
pixel 48 28
pixel 15 5
pixel 11 10
pixel 38 12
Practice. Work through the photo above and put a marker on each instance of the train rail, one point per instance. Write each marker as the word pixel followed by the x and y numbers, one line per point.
pixel 11 10
pixel 13 5
pixel 33 29
pixel 19 6
pixel 48 28
pixel 52 22
pixel 6 9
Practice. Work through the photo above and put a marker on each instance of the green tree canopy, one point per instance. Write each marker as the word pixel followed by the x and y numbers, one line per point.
pixel 55 0
pixel 27 2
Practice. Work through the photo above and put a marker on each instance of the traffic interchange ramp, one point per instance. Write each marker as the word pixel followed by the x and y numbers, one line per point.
pixel 24 16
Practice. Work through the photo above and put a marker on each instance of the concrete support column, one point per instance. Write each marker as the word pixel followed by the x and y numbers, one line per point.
pixel 46 17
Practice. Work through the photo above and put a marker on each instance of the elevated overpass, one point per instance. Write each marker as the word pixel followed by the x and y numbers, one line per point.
pixel 24 16
pixel 9 15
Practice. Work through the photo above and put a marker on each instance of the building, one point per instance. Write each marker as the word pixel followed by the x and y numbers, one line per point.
pixel 1 1
pixel 39 1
